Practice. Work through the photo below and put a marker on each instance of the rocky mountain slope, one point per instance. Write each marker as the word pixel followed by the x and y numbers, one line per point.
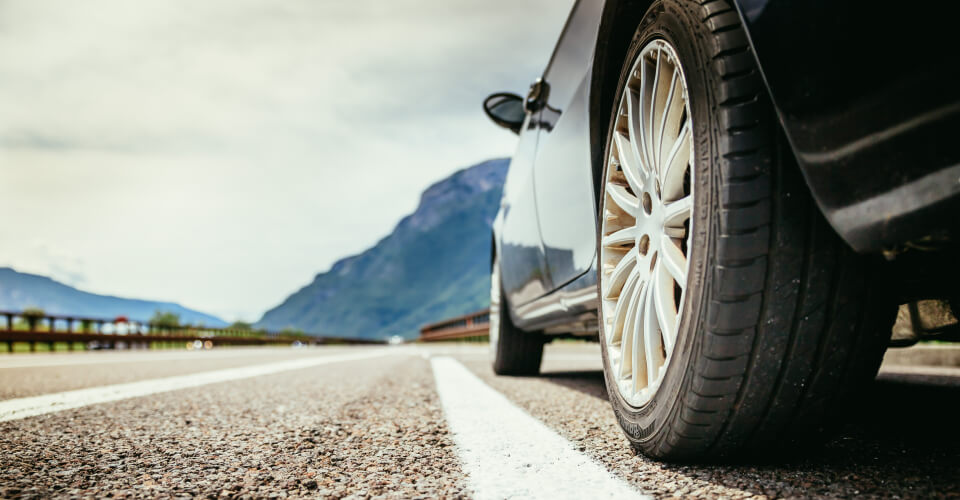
pixel 434 264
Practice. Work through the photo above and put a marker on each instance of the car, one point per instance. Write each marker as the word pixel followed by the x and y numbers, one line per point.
pixel 733 198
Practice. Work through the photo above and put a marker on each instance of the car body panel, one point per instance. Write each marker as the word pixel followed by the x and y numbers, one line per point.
pixel 524 274
pixel 564 188
pixel 868 118
pixel 562 193
pixel 565 199
pixel 867 95
pixel 570 309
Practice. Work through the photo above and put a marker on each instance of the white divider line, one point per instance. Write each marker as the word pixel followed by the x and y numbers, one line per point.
pixel 506 453
pixel 13 409
pixel 84 358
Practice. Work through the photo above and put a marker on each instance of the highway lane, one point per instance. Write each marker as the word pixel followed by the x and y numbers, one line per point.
pixel 378 426
pixel 32 374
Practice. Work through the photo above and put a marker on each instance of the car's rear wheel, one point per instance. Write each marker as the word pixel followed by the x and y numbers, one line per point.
pixel 732 317
pixel 512 351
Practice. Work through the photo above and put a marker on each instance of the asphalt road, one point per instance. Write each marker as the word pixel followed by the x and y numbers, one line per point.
pixel 421 421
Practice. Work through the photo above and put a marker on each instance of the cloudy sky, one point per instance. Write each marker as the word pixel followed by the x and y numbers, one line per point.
pixel 220 153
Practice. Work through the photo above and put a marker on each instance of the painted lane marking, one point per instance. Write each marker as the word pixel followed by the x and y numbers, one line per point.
pixel 506 453
pixel 79 358
pixel 13 409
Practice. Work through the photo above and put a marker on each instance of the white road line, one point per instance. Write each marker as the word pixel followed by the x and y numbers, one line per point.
pixel 13 409
pixel 85 358
pixel 506 453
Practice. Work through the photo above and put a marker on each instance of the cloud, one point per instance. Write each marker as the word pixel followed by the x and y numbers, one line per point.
pixel 58 263
pixel 181 147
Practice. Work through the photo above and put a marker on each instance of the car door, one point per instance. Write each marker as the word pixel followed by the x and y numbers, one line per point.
pixel 523 268
pixel 563 182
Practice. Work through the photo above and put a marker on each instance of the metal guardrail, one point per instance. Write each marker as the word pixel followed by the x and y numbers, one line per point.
pixel 475 324
pixel 48 328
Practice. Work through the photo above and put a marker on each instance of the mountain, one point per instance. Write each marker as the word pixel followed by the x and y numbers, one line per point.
pixel 435 264
pixel 20 290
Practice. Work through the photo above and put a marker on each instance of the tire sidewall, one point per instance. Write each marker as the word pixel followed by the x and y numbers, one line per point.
pixel 645 425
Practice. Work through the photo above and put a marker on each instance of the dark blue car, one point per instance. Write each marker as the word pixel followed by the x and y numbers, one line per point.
pixel 733 196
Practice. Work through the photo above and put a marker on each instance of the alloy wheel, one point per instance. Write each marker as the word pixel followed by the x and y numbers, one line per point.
pixel 646 225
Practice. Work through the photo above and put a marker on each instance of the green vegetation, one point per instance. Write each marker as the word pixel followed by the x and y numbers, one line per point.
pixel 165 319
pixel 34 312
pixel 294 332
pixel 44 347
pixel 32 316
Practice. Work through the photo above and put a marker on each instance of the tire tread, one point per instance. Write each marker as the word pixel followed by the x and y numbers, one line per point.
pixel 789 299
pixel 517 352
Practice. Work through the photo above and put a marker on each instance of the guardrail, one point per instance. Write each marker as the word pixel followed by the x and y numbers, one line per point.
pixel 49 329
pixel 473 325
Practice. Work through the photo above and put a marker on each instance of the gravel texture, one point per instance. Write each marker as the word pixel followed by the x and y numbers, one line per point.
pixel 902 443
pixel 375 429
pixel 364 429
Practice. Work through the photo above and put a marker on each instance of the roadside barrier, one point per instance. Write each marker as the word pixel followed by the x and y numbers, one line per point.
pixel 34 328
pixel 473 326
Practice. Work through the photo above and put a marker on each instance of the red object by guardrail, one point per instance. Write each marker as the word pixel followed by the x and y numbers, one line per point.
pixel 476 324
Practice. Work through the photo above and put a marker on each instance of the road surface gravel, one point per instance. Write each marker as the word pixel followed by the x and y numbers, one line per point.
pixel 375 428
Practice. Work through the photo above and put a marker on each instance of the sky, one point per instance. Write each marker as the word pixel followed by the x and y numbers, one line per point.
pixel 221 153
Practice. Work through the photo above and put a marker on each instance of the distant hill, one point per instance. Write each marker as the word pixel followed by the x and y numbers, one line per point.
pixel 435 264
pixel 20 290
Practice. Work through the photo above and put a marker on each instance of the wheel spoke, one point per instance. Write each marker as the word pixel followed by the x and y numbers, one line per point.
pixel 673 111
pixel 629 334
pixel 620 312
pixel 677 212
pixel 654 160
pixel 630 163
pixel 675 232
pixel 637 146
pixel 618 275
pixel 663 120
pixel 652 345
pixel 619 238
pixel 638 365
pixel 663 96
pixel 671 178
pixel 627 202
pixel 672 258
pixel 666 309
pixel 640 105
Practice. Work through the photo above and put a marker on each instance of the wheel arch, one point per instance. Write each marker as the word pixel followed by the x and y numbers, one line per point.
pixel 618 23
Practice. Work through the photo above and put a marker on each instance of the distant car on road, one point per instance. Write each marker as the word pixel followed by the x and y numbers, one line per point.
pixel 710 186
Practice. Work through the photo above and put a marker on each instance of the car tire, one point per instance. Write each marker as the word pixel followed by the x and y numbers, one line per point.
pixel 512 351
pixel 781 321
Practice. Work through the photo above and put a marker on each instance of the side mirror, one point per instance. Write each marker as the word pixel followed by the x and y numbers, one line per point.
pixel 506 110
